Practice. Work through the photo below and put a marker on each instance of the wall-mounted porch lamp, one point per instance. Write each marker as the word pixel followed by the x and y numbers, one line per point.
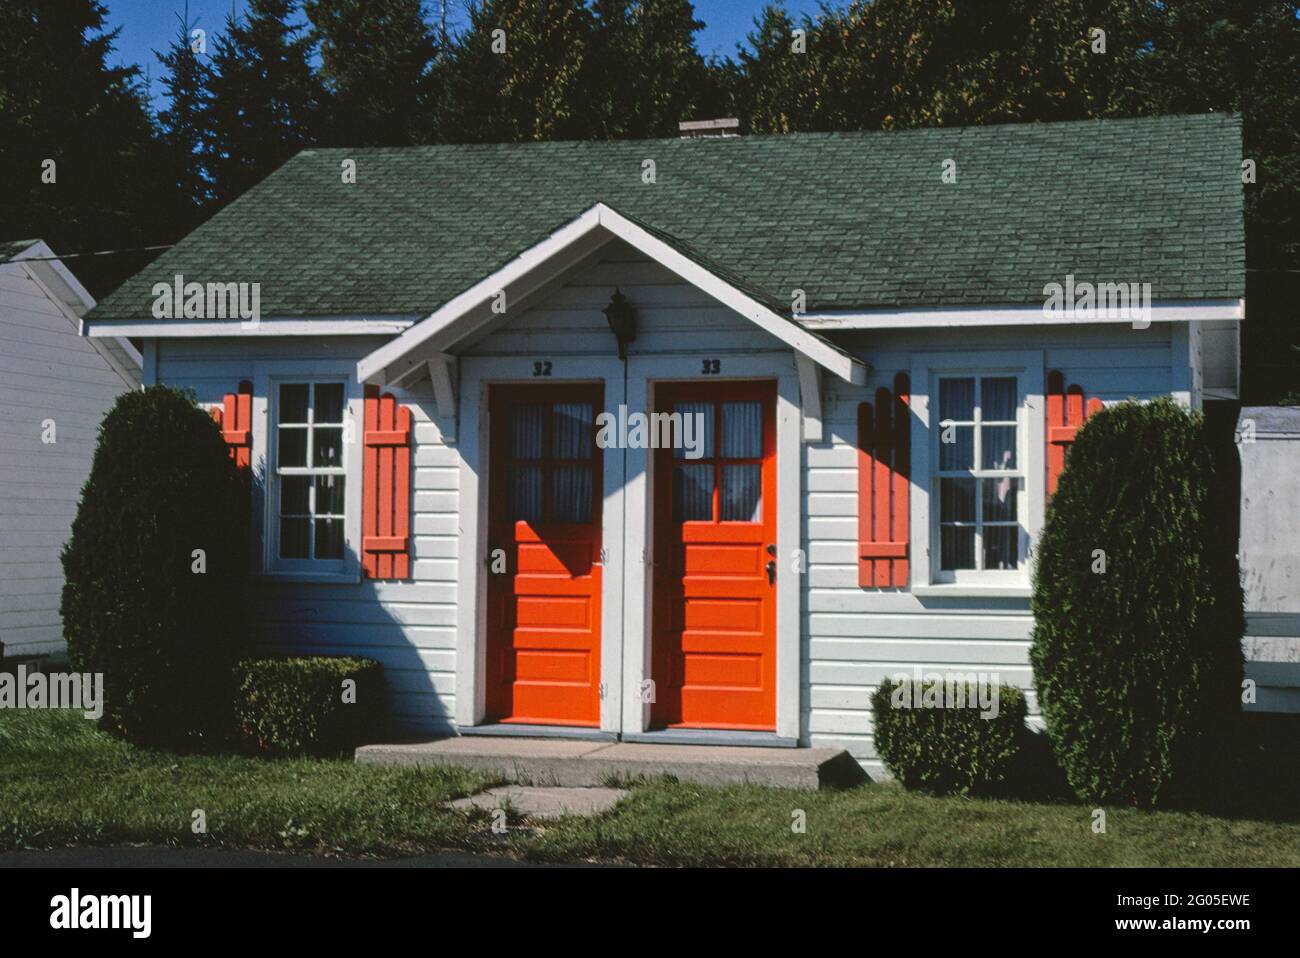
pixel 622 321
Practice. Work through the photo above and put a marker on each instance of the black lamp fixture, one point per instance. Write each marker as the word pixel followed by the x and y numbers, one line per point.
pixel 622 321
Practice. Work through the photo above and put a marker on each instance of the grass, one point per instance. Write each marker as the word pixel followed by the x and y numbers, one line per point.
pixel 64 783
pixel 882 825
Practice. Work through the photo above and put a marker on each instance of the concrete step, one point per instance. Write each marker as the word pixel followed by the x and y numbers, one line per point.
pixel 566 762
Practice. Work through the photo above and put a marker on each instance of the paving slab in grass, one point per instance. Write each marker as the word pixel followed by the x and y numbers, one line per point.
pixel 545 801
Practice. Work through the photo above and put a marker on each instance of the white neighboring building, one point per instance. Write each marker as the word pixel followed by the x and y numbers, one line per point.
pixel 1269 445
pixel 54 385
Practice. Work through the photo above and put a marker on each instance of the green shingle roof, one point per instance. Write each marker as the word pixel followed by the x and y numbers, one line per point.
pixel 856 220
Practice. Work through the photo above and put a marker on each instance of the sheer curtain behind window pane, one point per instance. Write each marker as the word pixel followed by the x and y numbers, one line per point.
pixel 329 538
pixel 327 446
pixel 957 399
pixel 571 485
pixel 998 399
pixel 526 482
pixel 956 447
pixel 571 430
pixel 571 494
pixel 956 548
pixel 742 492
pixel 701 420
pixel 526 432
pixel 328 406
pixel 693 493
pixel 742 430
pixel 999 447
pixel 1001 547
pixel 525 493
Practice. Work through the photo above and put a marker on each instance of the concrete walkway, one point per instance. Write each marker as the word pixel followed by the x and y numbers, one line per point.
pixel 565 762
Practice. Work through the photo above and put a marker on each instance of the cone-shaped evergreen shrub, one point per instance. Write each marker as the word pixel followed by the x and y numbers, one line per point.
pixel 155 570
pixel 1137 607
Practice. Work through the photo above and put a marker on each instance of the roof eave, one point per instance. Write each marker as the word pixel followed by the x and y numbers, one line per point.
pixel 550 258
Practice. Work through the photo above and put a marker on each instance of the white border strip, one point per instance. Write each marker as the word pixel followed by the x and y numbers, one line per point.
pixel 924 317
pixel 297 326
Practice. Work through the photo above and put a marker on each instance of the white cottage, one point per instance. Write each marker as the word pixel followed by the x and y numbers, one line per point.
pixel 54 388
pixel 441 392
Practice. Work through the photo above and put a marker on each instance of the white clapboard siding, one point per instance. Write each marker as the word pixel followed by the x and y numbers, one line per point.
pixel 853 637
pixel 407 626
pixel 47 372
pixel 850 639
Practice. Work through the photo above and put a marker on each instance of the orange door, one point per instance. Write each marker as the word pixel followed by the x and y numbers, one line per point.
pixel 543 641
pixel 714 645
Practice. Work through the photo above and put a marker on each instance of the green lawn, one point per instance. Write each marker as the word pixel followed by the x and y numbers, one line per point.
pixel 64 783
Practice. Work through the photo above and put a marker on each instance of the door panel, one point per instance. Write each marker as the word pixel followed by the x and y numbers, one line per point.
pixel 543 641
pixel 714 642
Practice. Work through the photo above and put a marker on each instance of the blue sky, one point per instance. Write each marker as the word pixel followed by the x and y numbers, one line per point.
pixel 149 25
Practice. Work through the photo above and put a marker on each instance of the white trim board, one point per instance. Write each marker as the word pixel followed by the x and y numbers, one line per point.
pixel 46 274
pixel 270 326
pixel 450 323
pixel 477 375
pixel 923 317
pixel 638 600
pixel 1027 365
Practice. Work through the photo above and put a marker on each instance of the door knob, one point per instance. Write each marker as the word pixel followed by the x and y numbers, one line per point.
pixel 771 571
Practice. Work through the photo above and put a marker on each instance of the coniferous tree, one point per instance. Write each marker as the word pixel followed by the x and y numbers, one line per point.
pixel 77 143
pixel 523 71
pixel 897 64
pixel 263 103
pixel 776 89
pixel 378 68
pixel 182 124
pixel 652 77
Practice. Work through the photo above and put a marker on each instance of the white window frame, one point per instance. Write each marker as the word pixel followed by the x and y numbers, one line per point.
pixel 346 568
pixel 977 575
pixel 1027 368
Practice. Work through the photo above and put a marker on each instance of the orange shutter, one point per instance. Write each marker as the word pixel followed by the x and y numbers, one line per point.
pixel 234 418
pixel 883 487
pixel 1066 412
pixel 386 488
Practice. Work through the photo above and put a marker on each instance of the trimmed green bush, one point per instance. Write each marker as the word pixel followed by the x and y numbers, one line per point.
pixel 949 747
pixel 1137 607
pixel 306 706
pixel 141 603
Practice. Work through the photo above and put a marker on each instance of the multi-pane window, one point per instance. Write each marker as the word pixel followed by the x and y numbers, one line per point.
pixel 551 462
pixel 309 470
pixel 979 479
pixel 725 485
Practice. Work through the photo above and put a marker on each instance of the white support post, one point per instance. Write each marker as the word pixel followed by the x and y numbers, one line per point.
pixel 810 397
pixel 441 374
